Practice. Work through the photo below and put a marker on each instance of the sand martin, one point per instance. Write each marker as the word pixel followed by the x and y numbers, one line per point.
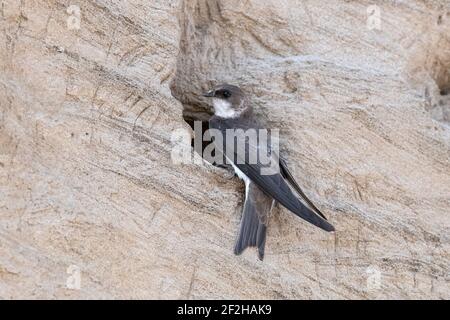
pixel 232 111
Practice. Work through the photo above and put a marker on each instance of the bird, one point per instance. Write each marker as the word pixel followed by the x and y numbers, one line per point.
pixel 233 111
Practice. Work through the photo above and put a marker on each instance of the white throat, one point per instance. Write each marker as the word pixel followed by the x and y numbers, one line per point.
pixel 224 109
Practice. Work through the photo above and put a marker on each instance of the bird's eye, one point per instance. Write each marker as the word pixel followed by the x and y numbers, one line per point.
pixel 226 93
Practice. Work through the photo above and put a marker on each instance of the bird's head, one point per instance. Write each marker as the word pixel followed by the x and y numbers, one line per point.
pixel 228 101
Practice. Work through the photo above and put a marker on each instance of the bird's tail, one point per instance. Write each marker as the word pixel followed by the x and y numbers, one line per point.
pixel 252 232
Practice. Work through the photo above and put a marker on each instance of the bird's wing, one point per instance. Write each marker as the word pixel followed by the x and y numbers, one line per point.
pixel 274 184
pixel 284 170
pixel 255 216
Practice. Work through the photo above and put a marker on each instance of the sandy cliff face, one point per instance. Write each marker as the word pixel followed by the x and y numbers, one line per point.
pixel 89 99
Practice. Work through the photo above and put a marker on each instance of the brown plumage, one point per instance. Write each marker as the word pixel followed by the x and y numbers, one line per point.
pixel 233 111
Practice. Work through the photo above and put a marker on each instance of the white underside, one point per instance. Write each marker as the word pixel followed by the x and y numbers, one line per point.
pixel 223 109
pixel 243 177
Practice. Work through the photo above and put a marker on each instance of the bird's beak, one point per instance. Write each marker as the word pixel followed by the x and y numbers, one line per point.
pixel 208 94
